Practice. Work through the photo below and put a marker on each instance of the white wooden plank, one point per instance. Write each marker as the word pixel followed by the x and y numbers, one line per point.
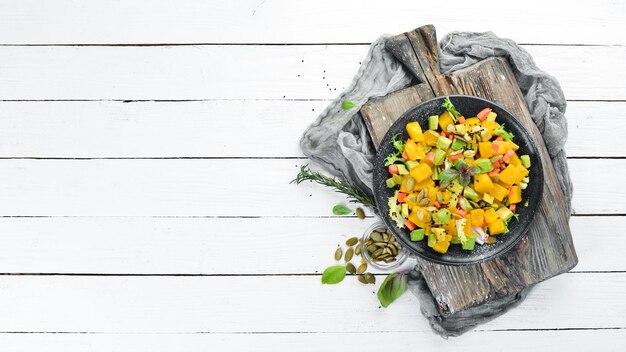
pixel 216 187
pixel 69 21
pixel 96 129
pixel 206 246
pixel 515 341
pixel 275 304
pixel 235 72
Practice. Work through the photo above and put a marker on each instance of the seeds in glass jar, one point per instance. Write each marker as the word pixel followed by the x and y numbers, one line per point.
pixel 371 248
pixel 350 268
pixel 386 236
pixel 338 253
pixel 360 213
pixel 349 254
pixel 377 252
pixel 361 268
pixel 352 241
pixel 376 236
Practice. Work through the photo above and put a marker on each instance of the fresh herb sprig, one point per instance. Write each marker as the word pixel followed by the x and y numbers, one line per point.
pixel 355 195
pixel 450 107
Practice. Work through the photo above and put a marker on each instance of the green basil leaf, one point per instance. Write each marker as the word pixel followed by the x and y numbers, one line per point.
pixel 398 287
pixel 448 174
pixel 384 291
pixel 341 209
pixel 347 105
pixel 333 274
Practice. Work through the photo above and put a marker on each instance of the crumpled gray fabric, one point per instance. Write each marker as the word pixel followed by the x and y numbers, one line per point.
pixel 338 139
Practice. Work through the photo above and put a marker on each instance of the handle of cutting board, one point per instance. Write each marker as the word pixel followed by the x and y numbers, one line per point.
pixel 418 52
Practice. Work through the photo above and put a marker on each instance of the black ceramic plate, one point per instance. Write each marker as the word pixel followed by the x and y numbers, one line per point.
pixel 468 106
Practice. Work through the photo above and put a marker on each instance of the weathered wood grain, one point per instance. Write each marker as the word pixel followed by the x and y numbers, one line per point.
pixel 515 341
pixel 547 250
pixel 275 303
pixel 86 129
pixel 288 21
pixel 143 245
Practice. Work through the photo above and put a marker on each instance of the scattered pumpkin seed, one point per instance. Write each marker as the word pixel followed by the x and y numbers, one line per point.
pixel 349 254
pixel 352 241
pixel 370 278
pixel 360 213
pixel 338 253
pixel 357 250
pixel 362 279
pixel 361 268
pixel 350 268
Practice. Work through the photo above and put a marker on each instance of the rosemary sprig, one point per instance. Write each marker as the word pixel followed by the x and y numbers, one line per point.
pixel 354 194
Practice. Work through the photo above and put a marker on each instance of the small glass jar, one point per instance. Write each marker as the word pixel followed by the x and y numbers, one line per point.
pixel 400 258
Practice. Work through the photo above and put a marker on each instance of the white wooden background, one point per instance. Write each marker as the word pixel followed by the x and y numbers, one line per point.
pixel 146 149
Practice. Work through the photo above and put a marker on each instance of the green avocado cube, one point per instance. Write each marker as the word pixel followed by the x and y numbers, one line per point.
pixel 417 235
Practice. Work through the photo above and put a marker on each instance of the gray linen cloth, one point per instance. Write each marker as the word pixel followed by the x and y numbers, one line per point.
pixel 339 142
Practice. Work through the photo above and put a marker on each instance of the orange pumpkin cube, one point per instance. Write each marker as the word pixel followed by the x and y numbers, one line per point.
pixel 477 216
pixel 483 183
pixel 421 172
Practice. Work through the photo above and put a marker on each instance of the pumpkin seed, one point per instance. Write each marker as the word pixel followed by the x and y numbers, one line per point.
pixel 352 241
pixel 450 128
pixel 377 237
pixel 357 250
pixel 381 244
pixel 381 229
pixel 424 202
pixel 350 268
pixel 469 153
pixel 360 213
pixel 349 254
pixel 393 250
pixel 457 216
pixel 371 248
pixel 467 138
pixel 370 278
pixel 431 208
pixel 377 252
pixel 338 253
pixel 362 279
pixel 363 261
pixel 425 192
pixel 361 268
pixel 495 158
pixel 389 260
pixel 420 195
pixel 386 236
pixel 444 184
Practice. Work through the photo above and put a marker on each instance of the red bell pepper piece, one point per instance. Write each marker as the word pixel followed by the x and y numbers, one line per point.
pixel 482 116
pixel 411 226
pixel 401 197
pixel 393 169
pixel 461 119
pixel 430 158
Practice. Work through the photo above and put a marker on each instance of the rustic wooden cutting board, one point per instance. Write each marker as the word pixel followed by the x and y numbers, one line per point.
pixel 547 249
